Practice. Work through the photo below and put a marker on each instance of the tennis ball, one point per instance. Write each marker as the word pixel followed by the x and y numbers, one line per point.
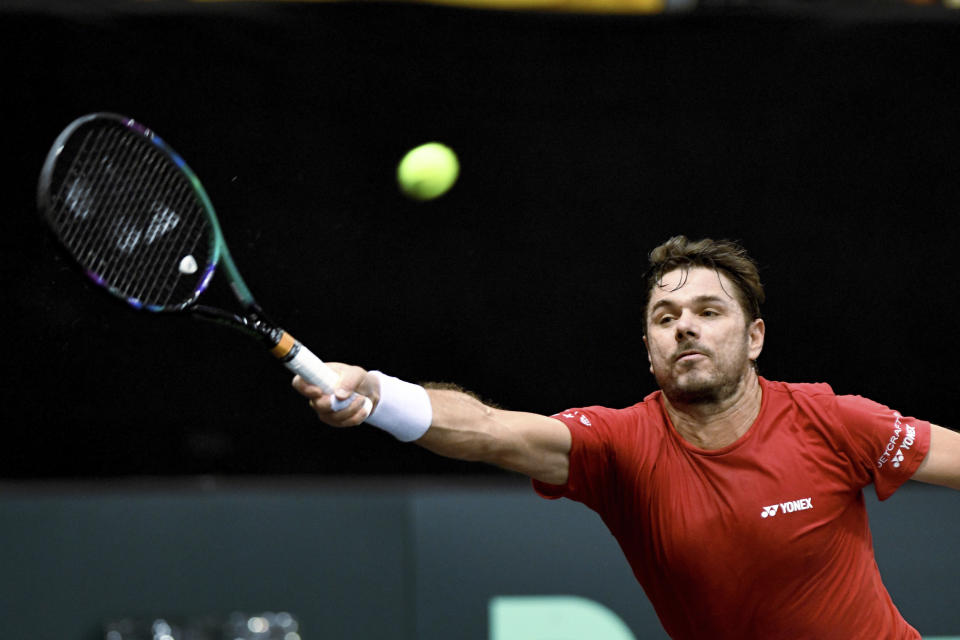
pixel 428 171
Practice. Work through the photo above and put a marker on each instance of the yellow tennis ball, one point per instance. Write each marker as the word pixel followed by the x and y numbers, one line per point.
pixel 428 171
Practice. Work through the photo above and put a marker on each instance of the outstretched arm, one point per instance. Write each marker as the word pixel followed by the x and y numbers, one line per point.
pixel 942 464
pixel 461 426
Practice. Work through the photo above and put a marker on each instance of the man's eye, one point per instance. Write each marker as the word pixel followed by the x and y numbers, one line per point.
pixel 709 312
pixel 664 319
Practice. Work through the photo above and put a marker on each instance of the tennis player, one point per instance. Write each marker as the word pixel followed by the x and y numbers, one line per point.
pixel 737 500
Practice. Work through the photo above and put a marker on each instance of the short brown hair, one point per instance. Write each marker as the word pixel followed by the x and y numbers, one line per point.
pixel 721 255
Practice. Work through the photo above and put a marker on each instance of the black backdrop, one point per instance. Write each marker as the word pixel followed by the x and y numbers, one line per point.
pixel 825 141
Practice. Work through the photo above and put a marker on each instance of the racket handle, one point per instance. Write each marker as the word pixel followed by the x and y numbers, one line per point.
pixel 300 360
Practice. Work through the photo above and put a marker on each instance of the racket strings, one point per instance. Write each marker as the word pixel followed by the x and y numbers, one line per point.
pixel 99 239
pixel 91 174
pixel 81 200
pixel 139 277
pixel 130 215
pixel 120 268
pixel 159 281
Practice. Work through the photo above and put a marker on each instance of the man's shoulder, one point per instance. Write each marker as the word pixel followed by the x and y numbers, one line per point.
pixel 798 389
pixel 650 403
pixel 616 421
pixel 648 406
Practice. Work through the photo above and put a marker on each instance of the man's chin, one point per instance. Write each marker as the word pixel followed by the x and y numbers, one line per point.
pixel 693 389
pixel 695 395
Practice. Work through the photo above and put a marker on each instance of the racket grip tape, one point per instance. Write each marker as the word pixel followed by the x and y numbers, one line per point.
pixel 301 361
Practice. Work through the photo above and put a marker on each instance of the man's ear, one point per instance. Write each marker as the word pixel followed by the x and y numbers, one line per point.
pixel 646 346
pixel 755 334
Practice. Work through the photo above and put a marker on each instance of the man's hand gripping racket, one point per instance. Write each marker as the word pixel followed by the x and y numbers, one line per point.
pixel 137 220
pixel 352 381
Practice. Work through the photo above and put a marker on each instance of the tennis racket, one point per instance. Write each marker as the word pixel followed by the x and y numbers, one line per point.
pixel 137 220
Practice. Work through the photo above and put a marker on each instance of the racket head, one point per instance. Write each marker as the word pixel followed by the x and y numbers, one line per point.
pixel 131 212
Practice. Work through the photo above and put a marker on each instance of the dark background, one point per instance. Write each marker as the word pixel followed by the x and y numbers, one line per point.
pixel 825 139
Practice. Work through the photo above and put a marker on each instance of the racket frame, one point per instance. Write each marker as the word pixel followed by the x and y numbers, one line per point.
pixel 252 321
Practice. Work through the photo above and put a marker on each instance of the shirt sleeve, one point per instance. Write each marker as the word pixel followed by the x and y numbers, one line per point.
pixel 887 446
pixel 592 461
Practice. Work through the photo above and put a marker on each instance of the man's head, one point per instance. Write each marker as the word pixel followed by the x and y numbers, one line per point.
pixel 724 256
pixel 702 322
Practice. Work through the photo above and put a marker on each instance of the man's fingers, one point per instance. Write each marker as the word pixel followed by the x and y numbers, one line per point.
pixel 349 416
pixel 349 379
pixel 322 402
pixel 305 388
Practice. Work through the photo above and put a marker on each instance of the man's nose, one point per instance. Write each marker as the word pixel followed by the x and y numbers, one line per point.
pixel 686 326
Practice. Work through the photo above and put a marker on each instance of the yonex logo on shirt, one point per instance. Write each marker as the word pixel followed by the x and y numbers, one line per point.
pixel 891 452
pixel 908 441
pixel 787 507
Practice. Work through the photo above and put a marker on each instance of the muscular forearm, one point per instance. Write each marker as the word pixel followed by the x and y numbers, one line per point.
pixel 463 427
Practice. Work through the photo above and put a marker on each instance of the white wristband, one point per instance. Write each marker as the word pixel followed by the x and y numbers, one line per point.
pixel 404 409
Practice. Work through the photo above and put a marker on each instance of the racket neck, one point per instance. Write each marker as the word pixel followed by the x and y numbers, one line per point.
pixel 250 323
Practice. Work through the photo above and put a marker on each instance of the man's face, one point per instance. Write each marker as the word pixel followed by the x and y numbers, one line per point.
pixel 699 341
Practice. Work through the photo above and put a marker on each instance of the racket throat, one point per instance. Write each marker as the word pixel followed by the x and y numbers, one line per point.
pixel 252 324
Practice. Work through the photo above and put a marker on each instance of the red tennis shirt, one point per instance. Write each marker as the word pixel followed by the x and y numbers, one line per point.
pixel 765 538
